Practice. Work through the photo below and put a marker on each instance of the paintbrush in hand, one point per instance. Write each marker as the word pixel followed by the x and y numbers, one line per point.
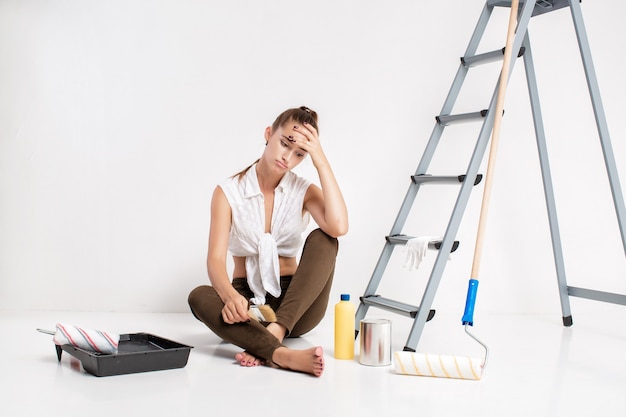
pixel 262 313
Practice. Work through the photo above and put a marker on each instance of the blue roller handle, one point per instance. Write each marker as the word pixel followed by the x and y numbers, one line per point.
pixel 468 315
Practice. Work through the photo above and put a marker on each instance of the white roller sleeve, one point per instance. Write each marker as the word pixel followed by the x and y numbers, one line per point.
pixel 92 340
pixel 442 366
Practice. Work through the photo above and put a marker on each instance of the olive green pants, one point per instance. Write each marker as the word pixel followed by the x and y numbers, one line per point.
pixel 300 307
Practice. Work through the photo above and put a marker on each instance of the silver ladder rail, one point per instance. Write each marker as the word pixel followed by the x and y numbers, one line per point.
pixel 423 313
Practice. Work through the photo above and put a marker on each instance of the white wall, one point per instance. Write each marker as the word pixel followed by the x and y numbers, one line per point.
pixel 117 118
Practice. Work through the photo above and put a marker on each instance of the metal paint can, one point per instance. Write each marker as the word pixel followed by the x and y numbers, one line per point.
pixel 375 344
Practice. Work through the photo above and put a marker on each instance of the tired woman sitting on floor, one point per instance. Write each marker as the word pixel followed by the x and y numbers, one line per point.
pixel 259 215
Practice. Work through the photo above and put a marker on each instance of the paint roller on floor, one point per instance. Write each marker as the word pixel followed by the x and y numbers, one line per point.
pixel 87 339
pixel 446 366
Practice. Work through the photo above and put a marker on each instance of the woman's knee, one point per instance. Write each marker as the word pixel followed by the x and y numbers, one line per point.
pixel 319 240
pixel 196 295
pixel 306 324
pixel 201 300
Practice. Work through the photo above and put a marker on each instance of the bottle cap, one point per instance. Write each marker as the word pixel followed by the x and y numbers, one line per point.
pixel 345 297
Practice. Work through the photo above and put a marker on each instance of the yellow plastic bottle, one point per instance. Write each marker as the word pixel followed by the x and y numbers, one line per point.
pixel 344 328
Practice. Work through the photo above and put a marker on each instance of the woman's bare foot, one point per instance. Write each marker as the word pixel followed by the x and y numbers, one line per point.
pixel 310 361
pixel 246 359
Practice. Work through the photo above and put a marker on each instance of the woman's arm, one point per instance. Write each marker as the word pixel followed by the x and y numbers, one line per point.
pixel 326 205
pixel 235 305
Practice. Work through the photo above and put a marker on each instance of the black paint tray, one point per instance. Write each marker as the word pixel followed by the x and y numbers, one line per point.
pixel 137 352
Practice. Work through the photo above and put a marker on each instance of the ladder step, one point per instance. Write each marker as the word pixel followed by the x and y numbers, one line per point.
pixel 448 119
pixel 394 306
pixel 402 239
pixel 443 179
pixel 487 57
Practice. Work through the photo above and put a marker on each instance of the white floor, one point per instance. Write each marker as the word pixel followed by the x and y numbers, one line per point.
pixel 536 367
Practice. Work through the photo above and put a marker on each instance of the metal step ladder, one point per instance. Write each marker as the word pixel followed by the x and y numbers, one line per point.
pixel 422 313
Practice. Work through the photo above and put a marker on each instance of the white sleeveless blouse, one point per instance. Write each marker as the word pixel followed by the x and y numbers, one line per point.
pixel 247 233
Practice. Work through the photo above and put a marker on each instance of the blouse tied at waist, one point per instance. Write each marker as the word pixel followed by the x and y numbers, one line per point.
pixel 263 270
pixel 248 237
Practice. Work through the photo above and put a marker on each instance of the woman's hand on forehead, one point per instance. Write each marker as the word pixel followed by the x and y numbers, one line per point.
pixel 305 132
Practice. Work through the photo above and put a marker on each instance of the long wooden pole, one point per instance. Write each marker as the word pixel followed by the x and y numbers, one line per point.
pixel 495 137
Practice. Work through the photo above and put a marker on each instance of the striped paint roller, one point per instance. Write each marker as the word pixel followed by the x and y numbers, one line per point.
pixel 87 339
pixel 442 366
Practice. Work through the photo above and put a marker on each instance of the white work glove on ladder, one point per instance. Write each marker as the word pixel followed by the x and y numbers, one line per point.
pixel 416 249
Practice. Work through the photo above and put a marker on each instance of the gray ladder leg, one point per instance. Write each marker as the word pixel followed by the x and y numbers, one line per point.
pixel 609 159
pixel 598 108
pixel 548 189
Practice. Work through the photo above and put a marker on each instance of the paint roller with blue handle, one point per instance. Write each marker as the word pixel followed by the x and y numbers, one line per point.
pixel 468 316
pixel 445 366
pixel 470 301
